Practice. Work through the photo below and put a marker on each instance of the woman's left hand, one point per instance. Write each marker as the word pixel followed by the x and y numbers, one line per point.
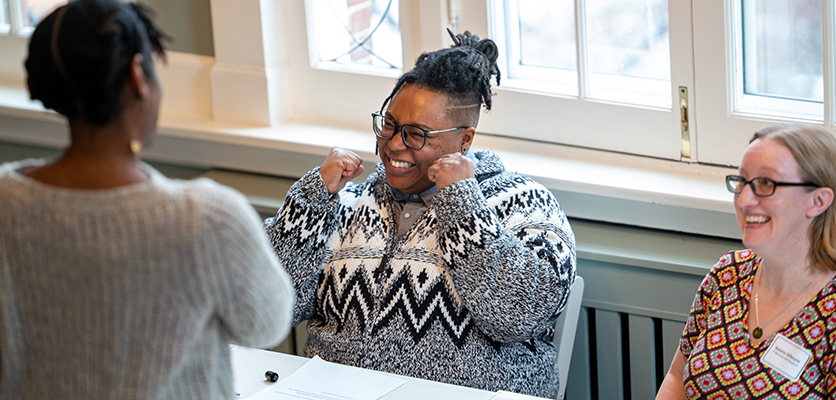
pixel 449 169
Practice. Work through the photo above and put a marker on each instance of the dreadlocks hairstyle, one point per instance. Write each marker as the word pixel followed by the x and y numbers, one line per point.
pixel 80 56
pixel 462 72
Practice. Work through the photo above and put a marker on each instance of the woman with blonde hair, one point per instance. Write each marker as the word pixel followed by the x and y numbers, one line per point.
pixel 762 323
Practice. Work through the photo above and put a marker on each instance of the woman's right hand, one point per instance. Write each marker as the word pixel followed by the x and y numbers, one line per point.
pixel 339 167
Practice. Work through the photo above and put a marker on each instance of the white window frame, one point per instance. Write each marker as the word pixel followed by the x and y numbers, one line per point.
pixel 241 110
pixel 588 122
pixel 727 119
pixel 248 81
pixel 13 39
pixel 316 63
pixel 5 28
pixel 520 111
pixel 545 80
pixel 15 26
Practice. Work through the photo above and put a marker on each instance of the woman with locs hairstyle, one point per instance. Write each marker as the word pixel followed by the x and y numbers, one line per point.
pixel 442 265
pixel 115 281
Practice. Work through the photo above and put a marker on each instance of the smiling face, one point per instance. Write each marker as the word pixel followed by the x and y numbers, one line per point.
pixel 772 224
pixel 406 168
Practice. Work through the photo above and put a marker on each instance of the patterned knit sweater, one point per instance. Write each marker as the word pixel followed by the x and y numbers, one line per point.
pixel 133 292
pixel 468 296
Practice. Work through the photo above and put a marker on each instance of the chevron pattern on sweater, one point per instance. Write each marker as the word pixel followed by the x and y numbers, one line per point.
pixel 418 315
pixel 418 308
pixel 354 299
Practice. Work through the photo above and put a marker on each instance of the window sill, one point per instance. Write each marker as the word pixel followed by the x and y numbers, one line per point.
pixel 589 184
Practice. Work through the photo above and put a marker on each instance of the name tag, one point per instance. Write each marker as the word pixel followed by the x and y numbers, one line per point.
pixel 786 357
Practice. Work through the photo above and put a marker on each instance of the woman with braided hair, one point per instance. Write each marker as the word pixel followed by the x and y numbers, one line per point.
pixel 442 265
pixel 115 281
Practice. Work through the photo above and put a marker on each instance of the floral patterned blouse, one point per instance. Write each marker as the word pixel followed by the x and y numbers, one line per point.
pixel 722 364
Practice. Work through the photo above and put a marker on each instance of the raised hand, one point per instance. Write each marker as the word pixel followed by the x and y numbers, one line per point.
pixel 339 167
pixel 449 169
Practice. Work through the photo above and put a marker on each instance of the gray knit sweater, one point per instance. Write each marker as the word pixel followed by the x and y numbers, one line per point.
pixel 468 296
pixel 133 292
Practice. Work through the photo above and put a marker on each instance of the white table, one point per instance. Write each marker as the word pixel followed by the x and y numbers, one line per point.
pixel 249 366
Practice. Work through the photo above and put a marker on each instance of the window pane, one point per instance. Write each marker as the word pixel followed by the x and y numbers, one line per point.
pixel 35 10
pixel 541 43
pixel 4 12
pixel 547 34
pixel 782 49
pixel 358 32
pixel 629 51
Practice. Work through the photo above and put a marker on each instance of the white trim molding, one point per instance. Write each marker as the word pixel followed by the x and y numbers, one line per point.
pixel 233 112
pixel 249 79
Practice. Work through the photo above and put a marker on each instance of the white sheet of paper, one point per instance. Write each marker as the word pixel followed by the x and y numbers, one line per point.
pixel 321 380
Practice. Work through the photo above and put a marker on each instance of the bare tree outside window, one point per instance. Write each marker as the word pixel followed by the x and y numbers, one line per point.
pixel 364 32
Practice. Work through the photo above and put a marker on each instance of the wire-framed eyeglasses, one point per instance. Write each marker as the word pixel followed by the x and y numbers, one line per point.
pixel 761 187
pixel 413 137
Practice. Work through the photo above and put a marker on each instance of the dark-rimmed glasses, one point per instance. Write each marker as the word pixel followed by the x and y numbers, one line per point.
pixel 413 137
pixel 761 187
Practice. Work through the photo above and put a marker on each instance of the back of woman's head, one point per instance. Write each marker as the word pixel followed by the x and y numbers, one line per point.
pixel 80 56
pixel 814 149
pixel 462 72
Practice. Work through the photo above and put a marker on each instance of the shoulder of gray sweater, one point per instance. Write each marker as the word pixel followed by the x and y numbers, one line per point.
pixel 211 201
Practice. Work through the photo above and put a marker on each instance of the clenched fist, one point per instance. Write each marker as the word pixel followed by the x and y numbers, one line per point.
pixel 339 167
pixel 449 169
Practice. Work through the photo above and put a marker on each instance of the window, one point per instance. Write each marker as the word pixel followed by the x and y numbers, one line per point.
pixel 355 32
pixel 17 21
pixel 21 16
pixel 532 27
pixel 762 62
pixel 608 74
pixel 35 10
pixel 592 73
pixel 596 95
pixel 4 16
pixel 600 74
pixel 621 46
pixel 628 51
pixel 780 58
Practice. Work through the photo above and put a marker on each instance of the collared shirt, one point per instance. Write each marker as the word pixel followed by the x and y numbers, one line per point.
pixel 410 207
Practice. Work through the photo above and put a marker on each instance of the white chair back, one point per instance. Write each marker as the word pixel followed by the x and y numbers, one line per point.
pixel 564 333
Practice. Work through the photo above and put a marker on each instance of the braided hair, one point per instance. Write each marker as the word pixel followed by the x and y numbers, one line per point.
pixel 462 72
pixel 80 56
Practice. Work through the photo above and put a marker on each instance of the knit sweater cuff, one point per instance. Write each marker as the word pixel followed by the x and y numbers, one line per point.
pixel 461 198
pixel 312 189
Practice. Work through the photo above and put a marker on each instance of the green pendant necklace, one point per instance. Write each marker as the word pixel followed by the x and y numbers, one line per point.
pixel 758 331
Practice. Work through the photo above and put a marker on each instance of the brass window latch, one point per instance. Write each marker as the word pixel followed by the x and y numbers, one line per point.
pixel 684 125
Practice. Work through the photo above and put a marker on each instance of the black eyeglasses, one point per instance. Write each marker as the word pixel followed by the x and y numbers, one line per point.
pixel 413 137
pixel 761 187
